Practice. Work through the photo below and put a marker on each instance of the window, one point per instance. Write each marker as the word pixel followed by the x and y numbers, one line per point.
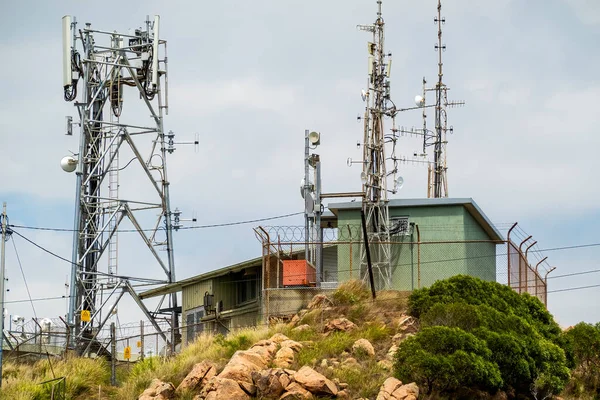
pixel 246 289
pixel 194 323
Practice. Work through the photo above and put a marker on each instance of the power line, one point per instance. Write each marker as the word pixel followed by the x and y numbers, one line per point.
pixel 43 249
pixel 573 288
pixel 219 225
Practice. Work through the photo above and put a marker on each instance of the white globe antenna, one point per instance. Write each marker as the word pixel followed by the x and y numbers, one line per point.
pixel 68 163
pixel 363 178
pixel 314 138
pixel 399 183
pixel 419 101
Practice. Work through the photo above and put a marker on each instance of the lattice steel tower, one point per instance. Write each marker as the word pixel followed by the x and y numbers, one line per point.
pixel 374 175
pixel 110 64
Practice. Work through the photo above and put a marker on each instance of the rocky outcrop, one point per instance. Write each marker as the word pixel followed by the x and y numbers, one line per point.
pixel 158 390
pixel 319 301
pixel 314 382
pixel 296 392
pixel 393 389
pixel 363 346
pixel 270 383
pixel 222 389
pixel 284 358
pixel 200 374
pixel 340 325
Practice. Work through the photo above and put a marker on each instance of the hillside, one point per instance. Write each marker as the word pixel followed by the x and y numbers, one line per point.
pixel 461 338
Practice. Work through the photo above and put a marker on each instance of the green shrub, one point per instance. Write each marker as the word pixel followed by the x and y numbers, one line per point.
pixel 446 359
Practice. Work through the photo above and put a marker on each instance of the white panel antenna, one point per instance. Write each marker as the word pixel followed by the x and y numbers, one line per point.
pixel 155 51
pixel 67 45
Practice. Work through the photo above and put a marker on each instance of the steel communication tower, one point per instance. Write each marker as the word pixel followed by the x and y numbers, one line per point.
pixel 108 63
pixel 374 175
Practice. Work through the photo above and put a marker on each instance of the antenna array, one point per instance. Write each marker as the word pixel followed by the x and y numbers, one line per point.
pixel 110 64
pixel 374 173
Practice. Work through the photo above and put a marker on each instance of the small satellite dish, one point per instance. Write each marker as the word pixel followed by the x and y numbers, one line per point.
pixel 363 178
pixel 419 101
pixel 314 138
pixel 68 163
pixel 399 183
pixel 363 94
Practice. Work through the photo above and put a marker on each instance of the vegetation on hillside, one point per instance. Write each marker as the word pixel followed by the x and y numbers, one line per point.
pixel 476 339
pixel 510 341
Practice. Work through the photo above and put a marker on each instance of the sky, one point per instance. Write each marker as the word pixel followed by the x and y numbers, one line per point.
pixel 249 77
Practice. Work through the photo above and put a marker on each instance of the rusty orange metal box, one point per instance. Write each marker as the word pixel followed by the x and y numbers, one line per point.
pixel 298 273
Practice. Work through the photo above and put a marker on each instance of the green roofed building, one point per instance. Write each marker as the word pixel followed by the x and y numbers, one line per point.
pixel 434 239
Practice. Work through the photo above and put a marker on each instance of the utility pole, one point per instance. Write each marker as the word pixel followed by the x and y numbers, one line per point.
pixel 4 222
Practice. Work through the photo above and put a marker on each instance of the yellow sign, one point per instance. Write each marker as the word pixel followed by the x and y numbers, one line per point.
pixel 139 343
pixel 127 353
pixel 85 315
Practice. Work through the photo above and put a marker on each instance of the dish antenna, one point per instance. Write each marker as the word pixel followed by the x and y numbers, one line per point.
pixel 399 183
pixel 311 187
pixel 363 178
pixel 314 138
pixel 68 163
pixel 363 94
pixel 419 101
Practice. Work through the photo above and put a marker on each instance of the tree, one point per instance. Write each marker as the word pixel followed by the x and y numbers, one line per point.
pixel 447 359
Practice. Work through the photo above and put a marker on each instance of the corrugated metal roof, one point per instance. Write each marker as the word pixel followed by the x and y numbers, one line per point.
pixel 468 203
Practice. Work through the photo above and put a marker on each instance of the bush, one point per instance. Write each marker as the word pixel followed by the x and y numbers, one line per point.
pixel 517 330
pixel 474 291
pixel 583 343
pixel 447 359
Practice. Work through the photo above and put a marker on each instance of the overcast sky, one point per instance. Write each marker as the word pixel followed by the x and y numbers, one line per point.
pixel 250 76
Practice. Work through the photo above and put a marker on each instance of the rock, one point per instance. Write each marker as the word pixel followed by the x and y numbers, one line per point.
pixel 158 390
pixel 314 382
pixel 295 319
pixel 386 364
pixel 393 389
pixel 389 386
pixel 340 324
pixel 302 328
pixel 363 345
pixel 319 301
pixel 324 363
pixel 242 364
pixel 223 389
pixel 391 352
pixel 350 362
pixel 198 377
pixel 284 358
pixel 268 384
pixel 343 394
pixel 292 345
pixel 407 392
pixel 285 380
pixel 265 348
pixel 296 392
pixel 278 338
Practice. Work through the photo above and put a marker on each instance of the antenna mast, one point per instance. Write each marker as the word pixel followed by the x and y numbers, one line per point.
pixel 374 175
pixel 437 179
pixel 108 63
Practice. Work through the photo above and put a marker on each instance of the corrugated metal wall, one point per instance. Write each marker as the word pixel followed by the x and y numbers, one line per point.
pixel 193 295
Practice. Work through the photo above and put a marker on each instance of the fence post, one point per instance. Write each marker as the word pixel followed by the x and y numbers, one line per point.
pixel 113 359
pixel 142 340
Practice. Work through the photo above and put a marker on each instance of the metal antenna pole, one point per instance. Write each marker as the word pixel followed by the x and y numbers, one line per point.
pixel 374 176
pixel 439 168
pixel 4 222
